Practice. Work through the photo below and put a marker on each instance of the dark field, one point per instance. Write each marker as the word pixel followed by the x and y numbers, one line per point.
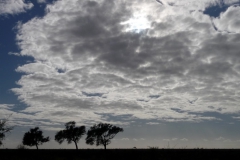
pixel 121 154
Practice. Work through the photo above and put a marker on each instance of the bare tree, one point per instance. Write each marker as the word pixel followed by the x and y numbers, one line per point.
pixel 101 134
pixel 4 129
pixel 71 133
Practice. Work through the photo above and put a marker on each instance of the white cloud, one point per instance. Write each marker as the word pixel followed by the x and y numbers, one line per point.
pixel 6 106
pixel 88 64
pixel 184 139
pixel 41 1
pixel 236 117
pixel 220 139
pixel 16 119
pixel 195 4
pixel 14 53
pixel 153 123
pixel 14 6
pixel 227 22
pixel 125 139
pixel 223 139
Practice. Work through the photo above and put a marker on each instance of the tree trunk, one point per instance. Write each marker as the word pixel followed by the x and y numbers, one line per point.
pixel 76 144
pixel 37 146
pixel 105 146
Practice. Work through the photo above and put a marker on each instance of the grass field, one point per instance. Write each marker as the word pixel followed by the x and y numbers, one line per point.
pixel 120 154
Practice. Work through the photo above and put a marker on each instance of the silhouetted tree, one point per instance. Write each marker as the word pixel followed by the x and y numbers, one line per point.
pixel 70 133
pixel 34 137
pixel 4 129
pixel 102 134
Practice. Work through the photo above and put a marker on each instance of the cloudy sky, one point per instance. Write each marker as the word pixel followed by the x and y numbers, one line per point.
pixel 167 71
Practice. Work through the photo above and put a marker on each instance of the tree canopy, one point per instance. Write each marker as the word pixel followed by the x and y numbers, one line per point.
pixel 34 137
pixel 4 129
pixel 101 134
pixel 71 133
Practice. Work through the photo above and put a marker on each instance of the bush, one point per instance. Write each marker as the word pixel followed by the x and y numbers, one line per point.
pixel 21 146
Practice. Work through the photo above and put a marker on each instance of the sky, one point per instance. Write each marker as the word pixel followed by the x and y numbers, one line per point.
pixel 166 71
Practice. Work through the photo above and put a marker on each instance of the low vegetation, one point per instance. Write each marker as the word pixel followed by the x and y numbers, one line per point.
pixel 21 146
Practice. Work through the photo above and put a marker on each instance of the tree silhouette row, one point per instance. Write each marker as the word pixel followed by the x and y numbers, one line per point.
pixel 99 134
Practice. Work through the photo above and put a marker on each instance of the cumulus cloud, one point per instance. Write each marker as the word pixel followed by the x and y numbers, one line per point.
pixel 41 1
pixel 8 111
pixel 14 53
pixel 153 123
pixel 236 118
pixel 220 139
pixel 197 5
pixel 89 62
pixel 227 22
pixel 223 139
pixel 14 6
pixel 184 139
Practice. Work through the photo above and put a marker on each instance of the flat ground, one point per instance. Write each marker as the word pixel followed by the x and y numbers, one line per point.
pixel 120 154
